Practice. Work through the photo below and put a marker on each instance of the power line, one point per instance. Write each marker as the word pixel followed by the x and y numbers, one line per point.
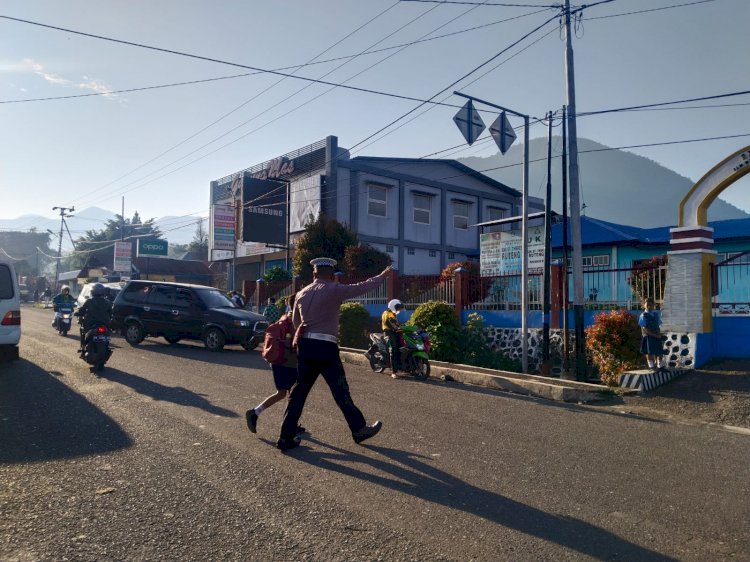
pixel 292 67
pixel 503 4
pixel 651 105
pixel 651 10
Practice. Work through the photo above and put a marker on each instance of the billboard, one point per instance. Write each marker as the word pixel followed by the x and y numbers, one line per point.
pixel 264 211
pixel 222 227
pixel 123 256
pixel 150 248
pixel 500 252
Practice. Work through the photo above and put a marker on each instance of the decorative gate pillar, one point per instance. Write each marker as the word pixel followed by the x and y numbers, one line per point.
pixel 687 297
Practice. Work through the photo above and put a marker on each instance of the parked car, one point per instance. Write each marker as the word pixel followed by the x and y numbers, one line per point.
pixel 113 289
pixel 10 312
pixel 178 311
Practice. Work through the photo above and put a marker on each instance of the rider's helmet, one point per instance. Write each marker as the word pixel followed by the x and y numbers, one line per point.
pixel 395 306
pixel 64 289
pixel 98 290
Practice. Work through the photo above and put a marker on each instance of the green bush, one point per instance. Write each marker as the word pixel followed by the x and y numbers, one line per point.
pixel 453 343
pixel 353 321
pixel 434 313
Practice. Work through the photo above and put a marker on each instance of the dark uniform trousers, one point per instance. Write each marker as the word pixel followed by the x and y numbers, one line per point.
pixel 318 357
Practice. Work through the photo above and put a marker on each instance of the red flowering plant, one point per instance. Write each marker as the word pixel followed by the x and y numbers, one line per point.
pixel 613 343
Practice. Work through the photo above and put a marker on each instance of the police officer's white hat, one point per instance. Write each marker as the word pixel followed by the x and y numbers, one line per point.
pixel 323 262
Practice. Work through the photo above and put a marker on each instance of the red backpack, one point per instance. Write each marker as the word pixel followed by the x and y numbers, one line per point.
pixel 274 345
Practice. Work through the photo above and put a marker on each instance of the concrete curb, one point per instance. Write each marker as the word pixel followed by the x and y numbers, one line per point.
pixel 530 385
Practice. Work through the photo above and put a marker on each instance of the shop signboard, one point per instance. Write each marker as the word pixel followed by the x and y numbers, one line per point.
pixel 500 252
pixel 222 227
pixel 264 211
pixel 151 248
pixel 123 256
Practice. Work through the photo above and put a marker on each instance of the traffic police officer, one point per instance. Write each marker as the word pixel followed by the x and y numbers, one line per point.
pixel 316 322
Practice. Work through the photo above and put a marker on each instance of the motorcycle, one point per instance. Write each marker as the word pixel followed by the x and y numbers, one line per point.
pixel 415 359
pixel 63 319
pixel 96 349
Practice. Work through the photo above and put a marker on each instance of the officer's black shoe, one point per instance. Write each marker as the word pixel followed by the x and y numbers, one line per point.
pixel 252 420
pixel 367 431
pixel 301 430
pixel 284 443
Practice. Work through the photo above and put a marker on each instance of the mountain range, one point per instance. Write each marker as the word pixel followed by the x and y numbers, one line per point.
pixel 177 230
pixel 616 186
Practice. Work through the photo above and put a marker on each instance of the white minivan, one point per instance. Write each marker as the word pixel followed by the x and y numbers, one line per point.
pixel 10 312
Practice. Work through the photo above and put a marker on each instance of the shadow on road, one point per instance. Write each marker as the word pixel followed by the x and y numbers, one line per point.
pixel 175 394
pixel 229 356
pixel 43 419
pixel 410 474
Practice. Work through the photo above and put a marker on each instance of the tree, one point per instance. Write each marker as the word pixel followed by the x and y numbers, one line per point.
pixel 323 237
pixel 21 248
pixel 96 247
pixel 364 260
pixel 199 245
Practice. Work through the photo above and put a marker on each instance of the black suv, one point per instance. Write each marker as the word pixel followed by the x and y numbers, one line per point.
pixel 179 311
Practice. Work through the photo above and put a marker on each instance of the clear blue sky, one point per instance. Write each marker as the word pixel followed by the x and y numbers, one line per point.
pixel 84 151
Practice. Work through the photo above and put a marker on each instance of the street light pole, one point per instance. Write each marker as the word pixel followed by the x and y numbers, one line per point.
pixel 524 231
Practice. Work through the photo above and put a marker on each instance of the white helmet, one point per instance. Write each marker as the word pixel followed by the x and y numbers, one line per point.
pixel 393 304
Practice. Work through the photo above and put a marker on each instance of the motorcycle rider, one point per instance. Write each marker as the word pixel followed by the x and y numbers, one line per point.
pixel 95 312
pixel 62 299
pixel 392 329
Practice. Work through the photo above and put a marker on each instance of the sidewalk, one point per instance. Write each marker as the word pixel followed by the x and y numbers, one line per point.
pixel 530 385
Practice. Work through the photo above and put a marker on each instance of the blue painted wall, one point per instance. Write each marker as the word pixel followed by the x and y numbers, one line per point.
pixel 730 336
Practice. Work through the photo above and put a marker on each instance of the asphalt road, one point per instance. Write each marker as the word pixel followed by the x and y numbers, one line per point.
pixel 152 461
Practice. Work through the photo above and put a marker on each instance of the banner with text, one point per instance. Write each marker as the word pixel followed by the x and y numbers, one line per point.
pixel 222 227
pixel 123 256
pixel 500 252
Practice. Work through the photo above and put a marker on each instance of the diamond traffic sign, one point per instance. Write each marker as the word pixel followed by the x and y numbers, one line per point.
pixel 469 122
pixel 502 132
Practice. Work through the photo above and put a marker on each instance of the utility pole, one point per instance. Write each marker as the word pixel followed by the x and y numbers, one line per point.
pixel 547 249
pixel 575 211
pixel 63 216
pixel 566 351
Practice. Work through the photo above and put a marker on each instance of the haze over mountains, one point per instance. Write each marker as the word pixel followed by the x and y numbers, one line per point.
pixel 177 230
pixel 616 186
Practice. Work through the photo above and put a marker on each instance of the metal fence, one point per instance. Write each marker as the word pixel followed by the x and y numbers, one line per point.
pixel 503 292
pixel 731 285
pixel 378 295
pixel 419 289
pixel 620 288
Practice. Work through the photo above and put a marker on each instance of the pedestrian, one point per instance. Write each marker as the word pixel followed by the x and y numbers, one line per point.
pixel 392 329
pixel 651 344
pixel 36 295
pixel 316 321
pixel 271 312
pixel 284 372
pixel 47 294
pixel 237 299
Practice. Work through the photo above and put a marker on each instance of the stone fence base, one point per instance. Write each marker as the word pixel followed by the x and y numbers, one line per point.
pixel 679 349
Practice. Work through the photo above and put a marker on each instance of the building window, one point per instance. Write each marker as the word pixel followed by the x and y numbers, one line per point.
pixel 451 255
pixel 592 261
pixel 493 214
pixel 460 215
pixel 433 253
pixel 422 209
pixel 600 261
pixel 410 251
pixel 389 249
pixel 377 199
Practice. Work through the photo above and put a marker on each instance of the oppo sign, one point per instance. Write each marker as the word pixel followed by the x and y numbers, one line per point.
pixel 152 247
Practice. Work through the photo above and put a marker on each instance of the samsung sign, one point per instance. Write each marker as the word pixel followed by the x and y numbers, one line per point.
pixel 152 248
pixel 264 211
